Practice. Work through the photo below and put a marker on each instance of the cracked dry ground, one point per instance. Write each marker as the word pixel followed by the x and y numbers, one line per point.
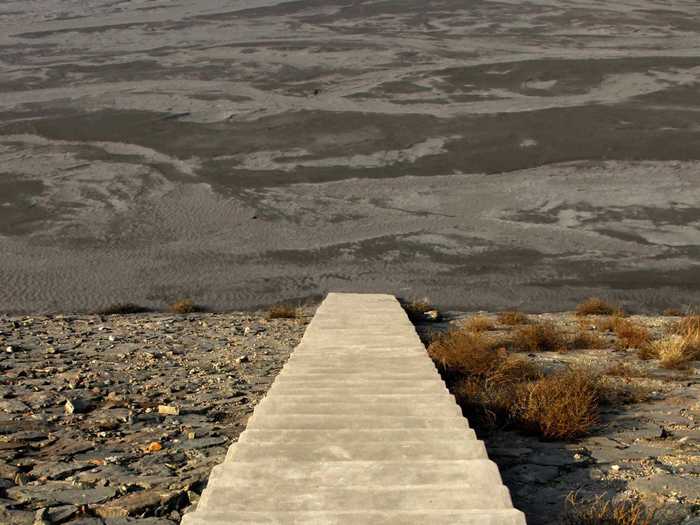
pixel 119 418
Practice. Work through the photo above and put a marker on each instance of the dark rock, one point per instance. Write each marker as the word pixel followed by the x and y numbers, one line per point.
pixel 136 503
pixel 58 470
pixel 201 443
pixel 15 517
pixel 13 406
pixel 66 447
pixel 56 493
pixel 60 514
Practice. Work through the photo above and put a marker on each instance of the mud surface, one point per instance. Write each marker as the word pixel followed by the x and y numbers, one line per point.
pixel 487 155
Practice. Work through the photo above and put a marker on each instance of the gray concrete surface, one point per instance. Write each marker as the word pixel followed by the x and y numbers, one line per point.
pixel 486 154
pixel 357 445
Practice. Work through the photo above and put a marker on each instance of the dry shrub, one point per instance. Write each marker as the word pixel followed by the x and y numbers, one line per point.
pixel 601 511
pixel 689 325
pixel 183 306
pixel 478 323
pixel 283 311
pixel 672 312
pixel 583 339
pixel 560 406
pixel 512 318
pixel 419 310
pixel 616 390
pixel 123 309
pixel 676 351
pixel 595 306
pixel 630 334
pixel 602 324
pixel 495 388
pixel 483 376
pixel 541 337
pixel 464 352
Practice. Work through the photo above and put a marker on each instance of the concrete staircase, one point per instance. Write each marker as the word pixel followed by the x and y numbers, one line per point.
pixel 357 429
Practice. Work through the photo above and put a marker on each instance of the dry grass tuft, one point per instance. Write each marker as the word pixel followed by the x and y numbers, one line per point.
pixel 690 324
pixel 672 312
pixel 283 311
pixel 585 340
pixel 464 352
pixel 184 306
pixel 512 318
pixel 560 406
pixel 619 387
pixel 479 323
pixel 601 511
pixel 541 337
pixel 123 309
pixel 630 334
pixel 602 324
pixel 595 306
pixel 676 351
pixel 420 310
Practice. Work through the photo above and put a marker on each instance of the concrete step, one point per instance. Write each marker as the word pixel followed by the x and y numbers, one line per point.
pixel 359 498
pixel 358 473
pixel 388 399
pixel 358 451
pixel 276 406
pixel 446 517
pixel 289 376
pixel 304 421
pixel 338 356
pixel 414 435
pixel 422 382
pixel 351 367
pixel 378 388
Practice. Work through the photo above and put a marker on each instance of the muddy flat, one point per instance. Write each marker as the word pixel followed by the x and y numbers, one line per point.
pixel 485 154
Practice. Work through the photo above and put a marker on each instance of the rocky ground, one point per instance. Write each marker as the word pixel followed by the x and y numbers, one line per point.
pixel 119 418
pixel 646 448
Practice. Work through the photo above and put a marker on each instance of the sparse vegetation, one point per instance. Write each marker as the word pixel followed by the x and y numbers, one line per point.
pixel 541 337
pixel 630 334
pixel 603 324
pixel 602 511
pixel 420 310
pixel 184 306
pixel 461 352
pixel 512 318
pixel 561 405
pixel 678 350
pixel 479 323
pixel 283 311
pixel 584 339
pixel 123 309
pixel 672 312
pixel 496 388
pixel 595 306
pixel 689 325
